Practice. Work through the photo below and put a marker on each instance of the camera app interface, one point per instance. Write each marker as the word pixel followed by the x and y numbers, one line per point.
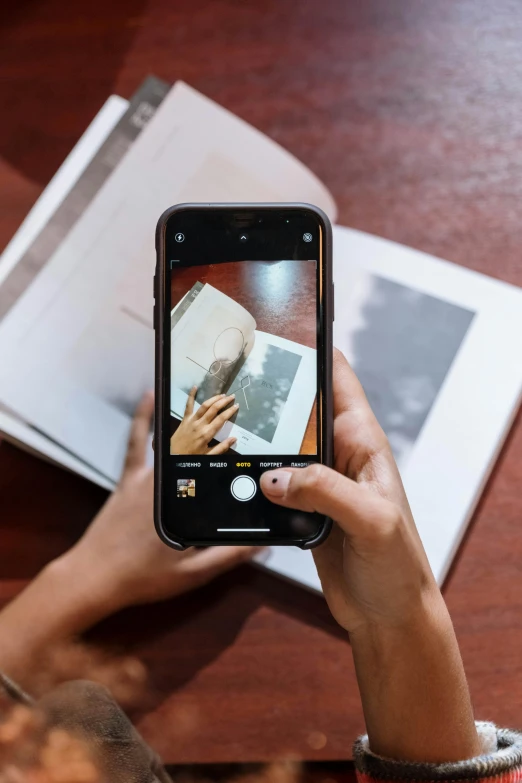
pixel 243 359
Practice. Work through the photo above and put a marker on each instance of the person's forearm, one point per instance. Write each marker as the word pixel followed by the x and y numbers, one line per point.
pixel 414 691
pixel 56 606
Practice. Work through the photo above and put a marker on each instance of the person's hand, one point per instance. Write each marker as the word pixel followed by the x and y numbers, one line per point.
pixel 379 586
pixel 119 561
pixel 198 428
pixel 373 568
pixel 132 564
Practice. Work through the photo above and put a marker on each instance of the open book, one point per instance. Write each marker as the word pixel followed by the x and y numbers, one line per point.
pixel 216 347
pixel 84 325
pixel 435 345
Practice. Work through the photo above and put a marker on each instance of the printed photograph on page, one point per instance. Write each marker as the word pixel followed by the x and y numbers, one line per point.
pixel 401 343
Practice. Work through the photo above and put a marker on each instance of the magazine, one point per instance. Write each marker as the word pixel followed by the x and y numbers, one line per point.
pixel 435 345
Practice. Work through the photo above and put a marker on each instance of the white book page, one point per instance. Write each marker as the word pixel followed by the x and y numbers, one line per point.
pixel 438 349
pixel 12 428
pixel 22 435
pixel 67 358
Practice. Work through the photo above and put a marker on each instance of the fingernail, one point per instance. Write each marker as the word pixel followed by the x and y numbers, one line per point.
pixel 233 440
pixel 275 482
pixel 236 405
pixel 232 396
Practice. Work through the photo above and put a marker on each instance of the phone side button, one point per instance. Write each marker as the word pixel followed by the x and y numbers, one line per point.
pixel 154 317
pixel 333 302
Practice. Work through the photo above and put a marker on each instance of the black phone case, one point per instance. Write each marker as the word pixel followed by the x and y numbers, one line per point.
pixel 160 380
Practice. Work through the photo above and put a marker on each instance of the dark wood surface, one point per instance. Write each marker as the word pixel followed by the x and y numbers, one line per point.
pixel 280 296
pixel 409 110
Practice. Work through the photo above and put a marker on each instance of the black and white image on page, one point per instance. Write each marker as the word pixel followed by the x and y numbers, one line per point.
pixel 401 343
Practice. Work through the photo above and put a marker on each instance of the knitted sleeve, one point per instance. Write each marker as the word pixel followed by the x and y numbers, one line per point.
pixel 501 760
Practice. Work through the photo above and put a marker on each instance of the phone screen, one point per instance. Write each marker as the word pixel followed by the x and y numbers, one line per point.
pixel 243 369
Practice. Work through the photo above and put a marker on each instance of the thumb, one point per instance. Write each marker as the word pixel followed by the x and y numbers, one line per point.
pixel 321 489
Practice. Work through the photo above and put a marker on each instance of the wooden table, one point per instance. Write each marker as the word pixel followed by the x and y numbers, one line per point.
pixel 409 110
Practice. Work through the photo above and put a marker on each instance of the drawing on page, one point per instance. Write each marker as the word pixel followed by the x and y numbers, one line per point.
pixel 244 383
pixel 227 351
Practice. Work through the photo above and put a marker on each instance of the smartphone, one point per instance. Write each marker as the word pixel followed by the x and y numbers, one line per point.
pixel 243 318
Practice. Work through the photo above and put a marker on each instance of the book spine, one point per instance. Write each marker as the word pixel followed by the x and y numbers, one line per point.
pixel 142 107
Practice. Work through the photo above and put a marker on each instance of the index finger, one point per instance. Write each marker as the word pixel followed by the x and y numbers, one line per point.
pixel 362 450
pixel 348 393
pixel 204 407
pixel 189 407
pixel 139 433
pixel 357 431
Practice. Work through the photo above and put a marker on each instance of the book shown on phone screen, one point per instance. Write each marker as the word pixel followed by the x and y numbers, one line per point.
pixel 216 346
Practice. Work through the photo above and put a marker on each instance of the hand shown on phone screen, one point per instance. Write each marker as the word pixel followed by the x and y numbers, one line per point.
pixel 199 427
